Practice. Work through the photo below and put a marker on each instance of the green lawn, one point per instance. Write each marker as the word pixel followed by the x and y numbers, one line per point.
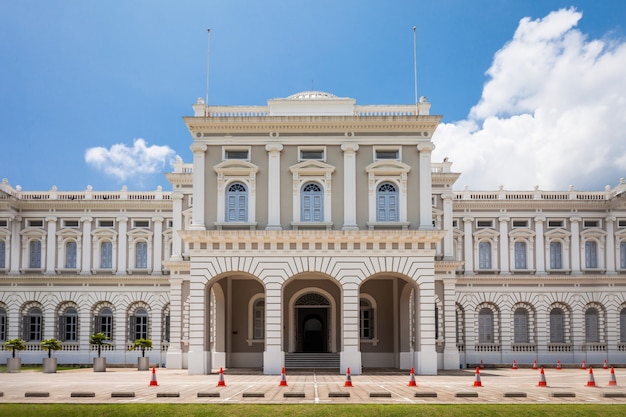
pixel 317 410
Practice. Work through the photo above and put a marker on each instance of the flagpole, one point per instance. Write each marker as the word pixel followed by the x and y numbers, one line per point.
pixel 208 61
pixel 415 69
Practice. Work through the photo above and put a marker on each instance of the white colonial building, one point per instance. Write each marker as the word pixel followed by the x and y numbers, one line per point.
pixel 315 232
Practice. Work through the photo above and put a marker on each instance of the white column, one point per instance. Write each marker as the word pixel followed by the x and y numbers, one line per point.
pixel 350 354
pixel 425 178
pixel 177 224
pixel 15 245
pixel 86 249
pixel 51 245
pixel 504 246
pixel 199 357
pixel 157 246
pixel 610 245
pixel 197 220
pixel 448 239
pixel 541 250
pixel 122 246
pixel 575 251
pixel 273 356
pixel 349 186
pixel 468 245
pixel 426 360
pixel 450 351
pixel 273 186
pixel 174 356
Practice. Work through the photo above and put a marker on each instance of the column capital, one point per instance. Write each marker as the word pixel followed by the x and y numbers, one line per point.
pixel 575 219
pixel 426 147
pixel 540 219
pixel 158 219
pixel 122 219
pixel 447 196
pixel 503 219
pixel 198 148
pixel 610 219
pixel 468 219
pixel 274 147
pixel 86 219
pixel 349 147
pixel 51 219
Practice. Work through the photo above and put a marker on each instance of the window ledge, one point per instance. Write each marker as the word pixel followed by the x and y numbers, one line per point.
pixel 388 225
pixel 254 341
pixel 373 341
pixel 311 225
pixel 235 225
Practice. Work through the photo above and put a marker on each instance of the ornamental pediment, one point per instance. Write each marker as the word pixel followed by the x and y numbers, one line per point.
pixel 557 233
pixel 66 233
pixel 312 167
pixel 387 167
pixel 135 233
pixel 521 232
pixel 104 232
pixel 233 167
pixel 486 233
pixel 593 233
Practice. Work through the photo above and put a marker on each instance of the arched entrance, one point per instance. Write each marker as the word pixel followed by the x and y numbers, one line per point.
pixel 312 312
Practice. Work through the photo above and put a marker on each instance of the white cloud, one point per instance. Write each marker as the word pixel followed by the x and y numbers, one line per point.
pixel 124 162
pixel 552 113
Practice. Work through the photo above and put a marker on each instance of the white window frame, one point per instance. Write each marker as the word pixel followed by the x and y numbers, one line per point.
pixel 302 149
pixel 558 235
pixel 397 149
pixel 99 236
pixel 373 308
pixel 318 172
pixel 226 149
pixel 395 172
pixel 251 319
pixel 228 172
pixel 599 237
pixel 136 236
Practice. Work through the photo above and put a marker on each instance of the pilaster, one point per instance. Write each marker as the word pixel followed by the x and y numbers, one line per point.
pixel 86 248
pixel 122 246
pixel 610 245
pixel 177 224
pixel 199 186
pixel 504 246
pixel 425 192
pixel 575 248
pixel 450 352
pixel 51 245
pixel 541 251
pixel 448 240
pixel 273 186
pixel 15 245
pixel 174 354
pixel 349 186
pixel 350 354
pixel 157 246
pixel 468 245
pixel 273 356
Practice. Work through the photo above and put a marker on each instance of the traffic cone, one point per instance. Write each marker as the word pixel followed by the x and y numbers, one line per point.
pixel 558 365
pixel 583 365
pixel 605 365
pixel 477 382
pixel 591 382
pixel 612 381
pixel 412 380
pixel 153 381
pixel 482 365
pixel 535 364
pixel 348 382
pixel 514 364
pixel 542 379
pixel 283 380
pixel 220 382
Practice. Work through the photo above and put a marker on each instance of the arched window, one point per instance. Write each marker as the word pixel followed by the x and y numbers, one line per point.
pixel 557 326
pixel 485 326
pixel 312 203
pixel 520 324
pixel 366 319
pixel 68 325
pixel 237 203
pixel 103 322
pixel 484 255
pixel 622 325
pixel 556 255
pixel 32 326
pixel 106 255
pixel 258 332
pixel 3 324
pixel 166 325
pixel 34 254
pixel 592 334
pixel 622 255
pixel 139 324
pixel 3 251
pixel 520 255
pixel 70 254
pixel 387 203
pixel 591 254
pixel 141 255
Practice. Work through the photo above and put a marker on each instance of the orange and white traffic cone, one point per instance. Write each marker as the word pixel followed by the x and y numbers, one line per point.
pixel 283 380
pixel 348 382
pixel 558 365
pixel 477 382
pixel 542 379
pixel 605 365
pixel 220 382
pixel 583 365
pixel 591 382
pixel 153 381
pixel 535 364
pixel 514 364
pixel 412 379
pixel 482 365
pixel 612 381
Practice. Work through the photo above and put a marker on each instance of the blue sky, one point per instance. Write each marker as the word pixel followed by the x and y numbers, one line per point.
pixel 529 95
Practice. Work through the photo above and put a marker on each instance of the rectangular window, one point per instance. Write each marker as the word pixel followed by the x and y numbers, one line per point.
pixel 3 251
pixel 166 328
pixel 4 224
pixel 73 224
pixel 455 223
pixel 621 223
pixel 591 254
pixel 312 154
pixel 138 327
pixel 35 254
pixel 3 326
pixel 556 255
pixel 555 224
pixel 386 154
pixel 520 255
pixel 70 255
pixel 35 223
pixel 68 328
pixel 484 224
pixel 144 224
pixel 587 224
pixel 484 255
pixel 520 223
pixel 243 154
pixel 141 255
pixel 105 223
pixel 622 255
pixel 104 324
pixel 106 255
pixel 32 326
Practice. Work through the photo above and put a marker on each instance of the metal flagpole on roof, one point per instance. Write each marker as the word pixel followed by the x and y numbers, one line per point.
pixel 208 58
pixel 415 69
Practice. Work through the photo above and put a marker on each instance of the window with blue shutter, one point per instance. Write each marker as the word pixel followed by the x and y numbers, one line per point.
pixel 237 203
pixel 312 203
pixel 387 203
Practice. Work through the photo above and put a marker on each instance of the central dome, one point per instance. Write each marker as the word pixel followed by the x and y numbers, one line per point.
pixel 311 95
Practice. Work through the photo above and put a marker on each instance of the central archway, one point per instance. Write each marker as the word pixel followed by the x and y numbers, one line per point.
pixel 312 322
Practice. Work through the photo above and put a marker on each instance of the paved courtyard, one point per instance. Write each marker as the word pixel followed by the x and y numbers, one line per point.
pixel 125 385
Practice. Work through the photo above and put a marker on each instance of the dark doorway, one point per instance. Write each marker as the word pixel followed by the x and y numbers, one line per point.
pixel 312 330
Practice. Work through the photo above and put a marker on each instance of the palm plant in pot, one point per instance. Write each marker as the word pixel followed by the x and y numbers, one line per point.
pixel 50 363
pixel 99 339
pixel 14 364
pixel 143 363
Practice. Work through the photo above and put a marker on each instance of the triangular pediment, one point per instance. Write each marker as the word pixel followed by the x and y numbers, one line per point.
pixel 312 167
pixel 486 233
pixel 557 233
pixel 387 167
pixel 236 167
pixel 522 232
pixel 75 233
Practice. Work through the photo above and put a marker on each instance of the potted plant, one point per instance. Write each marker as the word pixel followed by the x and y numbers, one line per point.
pixel 14 364
pixel 143 363
pixel 99 339
pixel 50 363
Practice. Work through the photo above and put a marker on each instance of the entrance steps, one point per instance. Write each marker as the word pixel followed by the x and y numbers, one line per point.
pixel 311 360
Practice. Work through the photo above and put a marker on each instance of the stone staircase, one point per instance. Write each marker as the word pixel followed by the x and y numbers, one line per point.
pixel 312 360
